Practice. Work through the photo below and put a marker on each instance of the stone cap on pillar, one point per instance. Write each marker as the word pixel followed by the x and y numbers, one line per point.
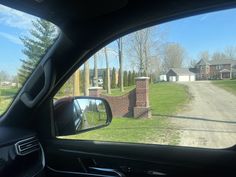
pixel 95 88
pixel 95 91
pixel 142 78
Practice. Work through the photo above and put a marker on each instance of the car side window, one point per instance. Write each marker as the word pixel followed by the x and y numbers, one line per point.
pixel 24 40
pixel 172 83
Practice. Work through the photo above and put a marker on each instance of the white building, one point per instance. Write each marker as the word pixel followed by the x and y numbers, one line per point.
pixel 163 77
pixel 180 75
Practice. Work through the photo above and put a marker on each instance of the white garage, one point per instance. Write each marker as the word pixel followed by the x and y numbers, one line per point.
pixel 180 75
pixel 172 78
pixel 193 78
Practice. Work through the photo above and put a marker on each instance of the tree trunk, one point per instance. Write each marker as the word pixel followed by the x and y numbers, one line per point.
pixel 108 72
pixel 146 60
pixel 86 78
pixel 140 59
pixel 120 49
pixel 76 83
pixel 95 71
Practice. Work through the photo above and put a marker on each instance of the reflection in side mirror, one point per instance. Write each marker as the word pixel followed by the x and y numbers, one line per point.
pixel 78 114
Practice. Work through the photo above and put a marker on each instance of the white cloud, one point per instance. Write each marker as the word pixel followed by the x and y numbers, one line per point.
pixel 14 18
pixel 11 38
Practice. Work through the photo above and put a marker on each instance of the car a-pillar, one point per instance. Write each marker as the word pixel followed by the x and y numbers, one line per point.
pixel 142 108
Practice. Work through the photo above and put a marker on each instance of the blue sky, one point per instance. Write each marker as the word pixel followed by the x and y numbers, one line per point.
pixel 13 24
pixel 213 32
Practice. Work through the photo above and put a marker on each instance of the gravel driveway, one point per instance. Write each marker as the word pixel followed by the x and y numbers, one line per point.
pixel 209 120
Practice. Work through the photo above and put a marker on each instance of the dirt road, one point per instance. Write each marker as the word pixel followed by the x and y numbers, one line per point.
pixel 209 120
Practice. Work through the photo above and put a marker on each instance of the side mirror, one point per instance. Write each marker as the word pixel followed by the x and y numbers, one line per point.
pixel 74 115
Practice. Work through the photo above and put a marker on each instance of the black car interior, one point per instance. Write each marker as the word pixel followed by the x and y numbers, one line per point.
pixel 28 143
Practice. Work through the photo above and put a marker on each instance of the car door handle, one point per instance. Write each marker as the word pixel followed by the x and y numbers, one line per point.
pixel 120 174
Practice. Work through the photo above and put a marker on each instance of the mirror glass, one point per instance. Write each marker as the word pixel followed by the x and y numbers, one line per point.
pixel 89 113
pixel 78 114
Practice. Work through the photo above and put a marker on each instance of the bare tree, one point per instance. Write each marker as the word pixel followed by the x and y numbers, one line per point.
pixel 230 52
pixel 141 43
pixel 218 56
pixel 155 68
pixel 145 48
pixel 204 55
pixel 95 70
pixel 4 76
pixel 173 56
pixel 192 63
pixel 107 72
pixel 120 52
pixel 86 78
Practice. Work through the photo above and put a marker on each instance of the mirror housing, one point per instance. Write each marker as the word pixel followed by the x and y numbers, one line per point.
pixel 73 115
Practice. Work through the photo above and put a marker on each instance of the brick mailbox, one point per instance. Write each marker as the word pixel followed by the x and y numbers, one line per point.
pixel 142 108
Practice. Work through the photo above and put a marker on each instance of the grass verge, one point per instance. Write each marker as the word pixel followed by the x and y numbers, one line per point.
pixel 168 98
pixel 228 85
pixel 149 131
pixel 8 91
pixel 4 104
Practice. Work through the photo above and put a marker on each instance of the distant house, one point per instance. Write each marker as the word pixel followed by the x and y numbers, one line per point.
pixel 101 73
pixel 180 75
pixel 5 83
pixel 8 84
pixel 13 84
pixel 215 69
pixel 162 77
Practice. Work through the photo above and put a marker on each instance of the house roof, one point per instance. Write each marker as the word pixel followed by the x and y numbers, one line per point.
pixel 203 62
pixel 217 62
pixel 182 71
pixel 225 70
pixel 222 61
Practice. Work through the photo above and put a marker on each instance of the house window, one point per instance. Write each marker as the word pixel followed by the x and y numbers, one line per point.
pixel 218 67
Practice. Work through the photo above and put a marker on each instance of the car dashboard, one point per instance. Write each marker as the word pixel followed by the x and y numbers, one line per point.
pixel 21 153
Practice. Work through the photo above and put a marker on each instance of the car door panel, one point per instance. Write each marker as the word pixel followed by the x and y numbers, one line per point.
pixel 79 158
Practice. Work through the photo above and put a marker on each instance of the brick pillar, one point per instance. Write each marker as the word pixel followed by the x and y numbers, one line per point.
pixel 142 109
pixel 95 91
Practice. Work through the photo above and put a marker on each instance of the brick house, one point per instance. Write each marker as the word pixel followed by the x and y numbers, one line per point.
pixel 215 69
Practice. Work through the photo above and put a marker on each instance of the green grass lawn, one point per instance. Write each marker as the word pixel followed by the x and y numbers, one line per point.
pixel 165 98
pixel 8 91
pixel 151 131
pixel 117 92
pixel 4 104
pixel 6 97
pixel 229 85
